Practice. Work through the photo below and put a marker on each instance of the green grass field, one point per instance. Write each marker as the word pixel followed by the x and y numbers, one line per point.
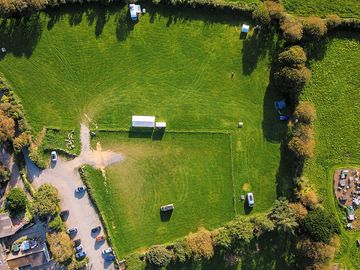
pixel 334 89
pixel 193 171
pixel 176 65
pixel 344 8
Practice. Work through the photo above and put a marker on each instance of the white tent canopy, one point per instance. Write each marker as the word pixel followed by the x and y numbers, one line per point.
pixel 143 121
pixel 245 28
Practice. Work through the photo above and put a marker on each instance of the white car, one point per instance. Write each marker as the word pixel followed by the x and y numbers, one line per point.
pixel 107 251
pixel 80 189
pixel 78 248
pixel 250 199
pixel 53 156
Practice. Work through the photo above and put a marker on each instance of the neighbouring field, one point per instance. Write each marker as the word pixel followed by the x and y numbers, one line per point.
pixel 344 8
pixel 192 171
pixel 334 89
pixel 187 67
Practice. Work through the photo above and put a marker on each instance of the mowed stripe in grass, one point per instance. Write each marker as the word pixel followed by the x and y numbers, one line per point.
pixel 334 89
pixel 192 171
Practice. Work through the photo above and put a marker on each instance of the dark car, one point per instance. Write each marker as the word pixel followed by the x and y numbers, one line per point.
pixel 96 229
pixel 77 242
pixel 80 255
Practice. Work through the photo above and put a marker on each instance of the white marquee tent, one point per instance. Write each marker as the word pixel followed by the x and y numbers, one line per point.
pixel 143 121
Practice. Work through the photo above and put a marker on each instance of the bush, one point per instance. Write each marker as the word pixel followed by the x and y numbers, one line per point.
pixel 201 244
pixel 299 211
pixel 240 229
pixel 182 251
pixel 262 224
pixel 57 224
pixel 332 21
pixel 16 201
pixel 314 27
pixel 320 225
pixel 222 239
pixel 283 216
pixel 159 256
pixel 293 56
pixel 4 174
pixel 7 128
pixel 292 29
pixel 46 201
pixel 20 142
pixel 309 199
pixel 275 9
pixel 305 112
pixel 61 246
pixel 302 142
pixel 261 15
pixel 133 262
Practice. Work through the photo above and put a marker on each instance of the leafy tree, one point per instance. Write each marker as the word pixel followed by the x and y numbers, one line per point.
pixel 275 9
pixel 201 244
pixel 222 238
pixel 305 112
pixel 182 251
pixel 293 56
pixel 261 14
pixel 309 198
pixel 4 173
pixel 293 80
pixel 21 141
pixel 159 256
pixel 241 229
pixel 283 216
pixel 262 223
pixel 46 201
pixel 57 224
pixel 61 246
pixel 16 201
pixel 302 142
pixel 7 128
pixel 333 21
pixel 314 27
pixel 299 211
pixel 133 262
pixel 292 29
pixel 320 225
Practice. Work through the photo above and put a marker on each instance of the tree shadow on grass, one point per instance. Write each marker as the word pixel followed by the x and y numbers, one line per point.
pixel 20 35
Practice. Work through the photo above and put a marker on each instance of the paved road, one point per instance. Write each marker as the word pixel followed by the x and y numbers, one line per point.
pixel 65 177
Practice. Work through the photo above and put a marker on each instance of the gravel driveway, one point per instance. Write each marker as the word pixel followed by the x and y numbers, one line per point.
pixel 65 177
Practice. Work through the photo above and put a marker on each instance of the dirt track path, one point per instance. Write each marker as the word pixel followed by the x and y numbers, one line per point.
pixel 65 177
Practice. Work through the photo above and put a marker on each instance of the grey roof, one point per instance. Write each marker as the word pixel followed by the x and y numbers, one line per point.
pixel 35 257
pixel 6 226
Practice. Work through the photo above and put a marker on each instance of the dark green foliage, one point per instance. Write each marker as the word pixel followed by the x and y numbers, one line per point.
pixel 293 56
pixel 46 201
pixel 4 174
pixel 320 225
pixel 283 216
pixel 16 201
pixel 133 262
pixel 261 15
pixel 223 239
pixel 182 252
pixel 240 229
pixel 159 256
pixel 56 224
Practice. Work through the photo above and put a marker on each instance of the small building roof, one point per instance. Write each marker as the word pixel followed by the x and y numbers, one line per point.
pixel 245 28
pixel 35 257
pixel 161 124
pixel 6 226
pixel 143 121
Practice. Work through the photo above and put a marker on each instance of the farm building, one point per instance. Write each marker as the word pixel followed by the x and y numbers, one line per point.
pixel 143 121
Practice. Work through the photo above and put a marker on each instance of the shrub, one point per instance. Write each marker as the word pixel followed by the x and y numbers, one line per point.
pixel 7 128
pixel 275 9
pixel 16 201
pixel 46 201
pixel 315 253
pixel 57 224
pixel 262 223
pixel 320 225
pixel 222 239
pixel 61 246
pixel 292 29
pixel 240 229
pixel 20 142
pixel 314 27
pixel 302 142
pixel 4 174
pixel 159 256
pixel 305 112
pixel 332 21
pixel 294 56
pixel 283 216
pixel 201 244
pixel 299 211
pixel 133 262
pixel 309 199
pixel 261 15
pixel 182 251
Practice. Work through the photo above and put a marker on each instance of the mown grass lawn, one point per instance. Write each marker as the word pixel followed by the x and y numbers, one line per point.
pixel 187 67
pixel 334 89
pixel 344 8
pixel 192 171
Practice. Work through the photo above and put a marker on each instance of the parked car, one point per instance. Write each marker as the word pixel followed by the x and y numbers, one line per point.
pixel 109 257
pixel 53 156
pixel 107 251
pixel 96 229
pixel 72 230
pixel 100 238
pixel 250 199
pixel 64 215
pixel 80 189
pixel 80 255
pixel 77 242
pixel 78 248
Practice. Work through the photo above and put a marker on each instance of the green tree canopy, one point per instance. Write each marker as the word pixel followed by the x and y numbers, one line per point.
pixel 46 201
pixel 61 246
pixel 16 201
pixel 283 216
